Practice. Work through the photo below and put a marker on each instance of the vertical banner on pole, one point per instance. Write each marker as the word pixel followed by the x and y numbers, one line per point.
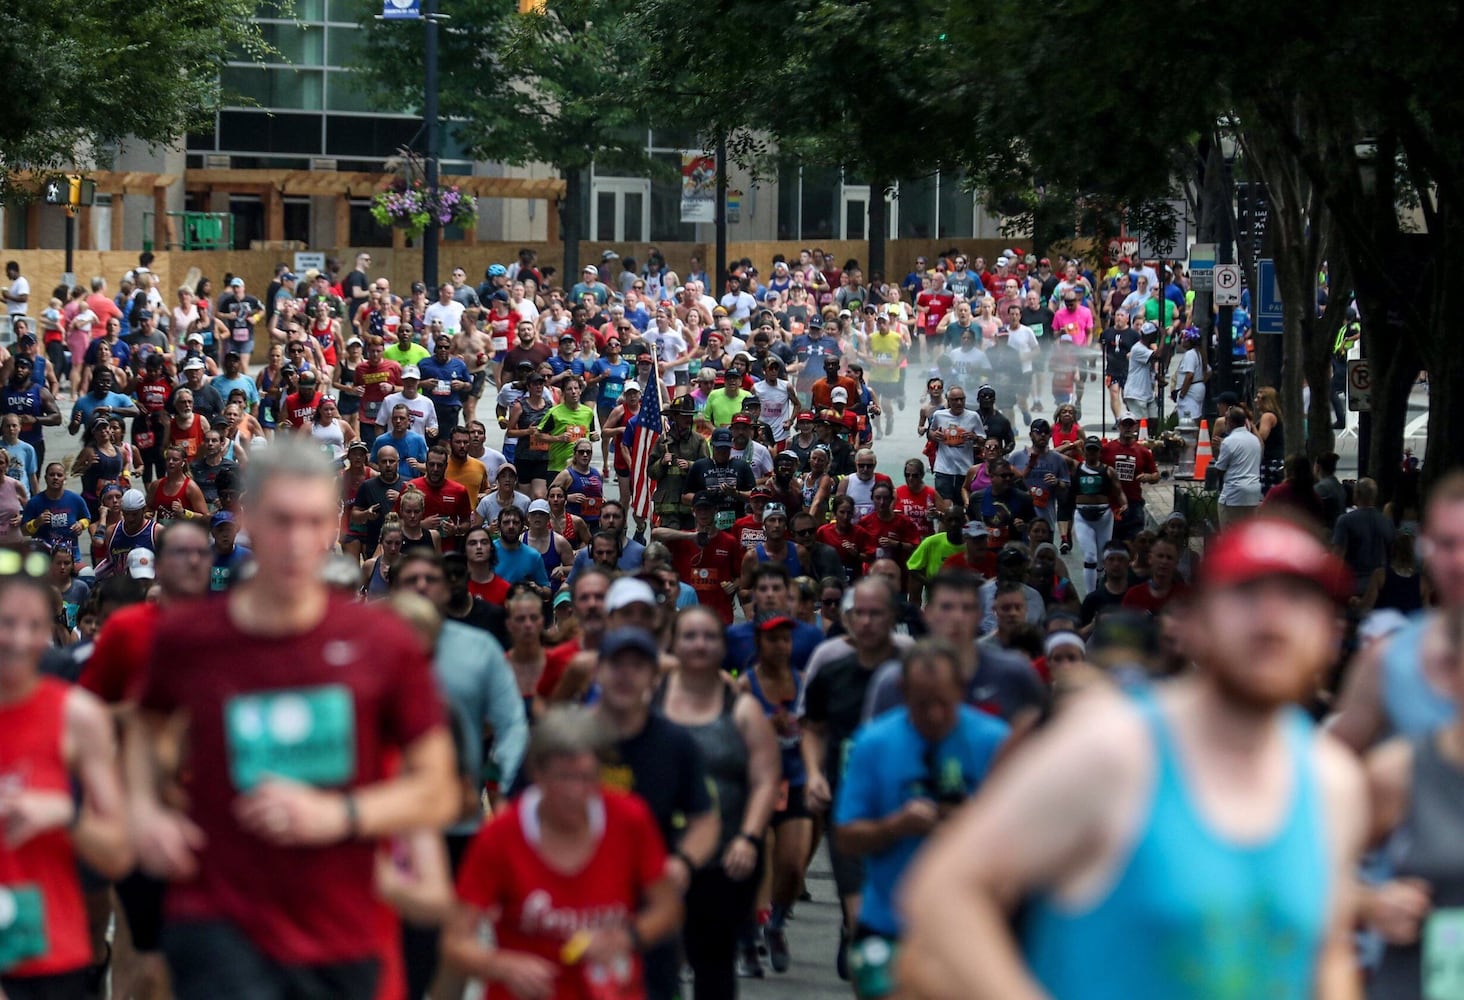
pixel 401 9
pixel 698 187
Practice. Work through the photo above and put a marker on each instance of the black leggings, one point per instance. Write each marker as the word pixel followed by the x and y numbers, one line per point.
pixel 716 909
pixel 421 946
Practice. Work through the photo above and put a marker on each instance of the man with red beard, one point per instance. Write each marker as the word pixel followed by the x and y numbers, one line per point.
pixel 1195 840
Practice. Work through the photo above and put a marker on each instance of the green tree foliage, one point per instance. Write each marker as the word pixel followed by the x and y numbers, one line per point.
pixel 83 76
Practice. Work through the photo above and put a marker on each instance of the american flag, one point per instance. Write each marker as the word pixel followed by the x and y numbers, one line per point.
pixel 642 434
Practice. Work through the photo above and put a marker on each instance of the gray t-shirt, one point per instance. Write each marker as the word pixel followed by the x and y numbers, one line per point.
pixel 1240 460
pixel 1140 382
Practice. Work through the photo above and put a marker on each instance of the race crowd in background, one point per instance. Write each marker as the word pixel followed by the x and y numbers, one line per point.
pixel 359 621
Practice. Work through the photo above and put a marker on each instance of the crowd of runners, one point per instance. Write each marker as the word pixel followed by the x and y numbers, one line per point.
pixel 538 639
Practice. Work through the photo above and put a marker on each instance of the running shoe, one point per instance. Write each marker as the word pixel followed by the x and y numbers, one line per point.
pixel 749 966
pixel 778 953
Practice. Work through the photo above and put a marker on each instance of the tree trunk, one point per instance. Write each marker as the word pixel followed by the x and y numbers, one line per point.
pixel 1320 436
pixel 879 225
pixel 570 215
pixel 1395 363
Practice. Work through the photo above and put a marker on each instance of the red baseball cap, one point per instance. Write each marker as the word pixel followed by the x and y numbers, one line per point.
pixel 741 418
pixel 1271 546
pixel 776 622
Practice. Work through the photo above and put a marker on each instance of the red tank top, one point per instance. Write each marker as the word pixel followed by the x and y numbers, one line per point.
pixel 163 500
pixel 40 896
pixel 1061 437
pixel 191 438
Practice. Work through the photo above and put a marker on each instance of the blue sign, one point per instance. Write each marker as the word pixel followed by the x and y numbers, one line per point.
pixel 1268 299
pixel 401 9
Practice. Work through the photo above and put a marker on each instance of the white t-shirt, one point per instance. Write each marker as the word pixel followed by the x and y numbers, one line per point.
pixel 1140 382
pixel 1024 342
pixel 757 456
pixel 451 314
pixel 424 414
pixel 526 309
pixel 739 307
pixel 1195 397
pixel 670 345
pixel 775 405
pixel 18 287
pixel 1240 460
pixel 955 439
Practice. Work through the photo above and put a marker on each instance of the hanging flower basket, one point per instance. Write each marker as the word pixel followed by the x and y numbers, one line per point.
pixel 411 206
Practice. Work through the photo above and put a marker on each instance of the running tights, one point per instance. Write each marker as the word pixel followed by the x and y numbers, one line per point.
pixel 1091 538
pixel 716 908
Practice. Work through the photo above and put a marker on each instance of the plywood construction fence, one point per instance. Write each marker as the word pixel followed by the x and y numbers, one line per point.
pixel 44 268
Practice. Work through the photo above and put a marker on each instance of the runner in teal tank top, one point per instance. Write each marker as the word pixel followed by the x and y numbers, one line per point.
pixel 1193 842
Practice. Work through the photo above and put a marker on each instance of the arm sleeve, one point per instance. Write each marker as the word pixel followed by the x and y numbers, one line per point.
pixel 506 715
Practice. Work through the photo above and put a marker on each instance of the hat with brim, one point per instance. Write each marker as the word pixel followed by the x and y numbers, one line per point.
pixel 1268 547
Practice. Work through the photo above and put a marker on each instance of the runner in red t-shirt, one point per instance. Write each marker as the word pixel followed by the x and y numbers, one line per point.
pixel 882 533
pixel 293 696
pixel 931 306
pixel 572 876
pixel 56 737
pixel 447 501
pixel 917 500
pixel 708 559
pixel 378 379
pixel 1134 465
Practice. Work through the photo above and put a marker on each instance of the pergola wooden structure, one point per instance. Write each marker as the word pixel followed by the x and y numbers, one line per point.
pixel 273 186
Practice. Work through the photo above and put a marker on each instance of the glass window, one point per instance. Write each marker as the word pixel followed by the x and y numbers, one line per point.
pixel 344 92
pixel 957 209
pixel 297 220
pixel 666 205
pixel 788 227
pixel 917 208
pixel 675 138
pixel 345 11
pixel 256 131
pixel 820 202
pixel 305 10
pixel 342 46
pixel 301 90
pixel 248 216
pixel 365 230
pixel 295 44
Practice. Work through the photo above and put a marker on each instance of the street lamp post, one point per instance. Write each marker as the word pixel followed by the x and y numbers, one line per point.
pixel 433 231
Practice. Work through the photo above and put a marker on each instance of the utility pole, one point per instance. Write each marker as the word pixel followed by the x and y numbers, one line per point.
pixel 721 216
pixel 429 115
pixel 1225 318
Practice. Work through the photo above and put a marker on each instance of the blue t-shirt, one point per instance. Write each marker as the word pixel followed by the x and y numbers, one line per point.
pixel 38 371
pixel 413 445
pixel 558 365
pixel 612 378
pixel 119 350
pixel 631 557
pixel 22 462
pixel 65 512
pixel 89 403
pixel 226 385
pixel 523 563
pixel 455 370
pixel 225 566
pixel 887 767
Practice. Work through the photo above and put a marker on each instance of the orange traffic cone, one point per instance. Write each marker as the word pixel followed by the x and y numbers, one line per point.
pixel 1144 429
pixel 1202 452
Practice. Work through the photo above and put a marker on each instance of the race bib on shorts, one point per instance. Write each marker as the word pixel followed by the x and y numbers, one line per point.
pixel 22 925
pixel 303 734
pixel 1443 955
pixel 498 345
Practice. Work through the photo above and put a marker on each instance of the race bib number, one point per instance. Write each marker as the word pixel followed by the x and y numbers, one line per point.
pixel 443 387
pixel 611 390
pixel 242 334
pixel 725 519
pixel 954 436
pixel 575 432
pixel 146 439
pixel 1443 955
pixel 772 412
pixel 22 925
pixel 1039 496
pixel 372 408
pixel 591 507
pixel 861 509
pixel 498 345
pixel 303 734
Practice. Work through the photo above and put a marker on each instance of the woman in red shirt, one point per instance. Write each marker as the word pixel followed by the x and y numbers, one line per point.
pixel 571 875
pixel 1067 441
pixel 917 500
pixel 55 734
pixel 840 534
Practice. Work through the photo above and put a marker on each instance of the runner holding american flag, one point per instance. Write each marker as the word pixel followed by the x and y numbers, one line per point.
pixel 641 440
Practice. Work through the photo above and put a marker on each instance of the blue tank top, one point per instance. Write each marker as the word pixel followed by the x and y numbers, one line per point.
pixel 26 403
pixel 789 743
pixel 593 487
pixel 1193 916
pixel 1412 706
pixel 795 567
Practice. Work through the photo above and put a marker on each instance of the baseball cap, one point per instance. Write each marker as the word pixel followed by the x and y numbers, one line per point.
pixel 622 640
pixel 1148 328
pixel 703 499
pixel 307 376
pixel 566 336
pixel 975 529
pixel 760 493
pixel 592 270
pixel 540 506
pixel 839 395
pixel 220 517
pixel 802 417
pixel 195 338
pixel 1270 546
pixel 1002 262
pixel 845 312
pixel 134 500
pixel 1011 555
pixel 1093 441
pixel 562 598
pixel 608 255
pixel 411 371
pixel 354 342
pixel 629 590
pixel 1040 426
pixel 289 276
pixel 742 419
pixel 721 438
pixel 775 622
pixel 1128 417
pixel 236 283
pixel 26 339
pixel 775 510
pixel 358 445
pixel 142 564
pixel 194 364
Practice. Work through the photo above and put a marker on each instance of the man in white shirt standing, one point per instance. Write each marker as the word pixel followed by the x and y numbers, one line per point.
pixel 18 294
pixel 1240 461
pixel 424 414
pixel 1138 387
pixel 447 309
